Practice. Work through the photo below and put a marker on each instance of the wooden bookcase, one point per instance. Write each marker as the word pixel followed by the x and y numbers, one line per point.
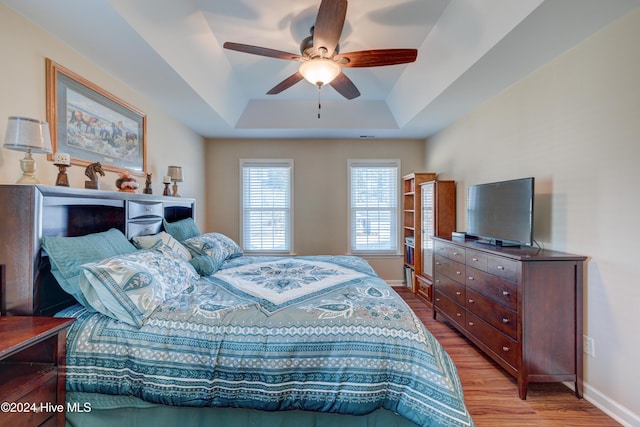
pixel 411 226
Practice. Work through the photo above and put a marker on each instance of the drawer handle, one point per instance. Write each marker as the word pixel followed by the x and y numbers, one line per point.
pixel 471 324
pixel 454 253
pixel 458 273
pixel 148 209
pixel 505 320
pixel 471 301
pixel 474 259
pixel 458 314
pixel 500 267
pixel 505 293
pixel 437 280
pixel 458 293
pixel 437 263
pixel 505 348
pixel 471 278
pixel 437 299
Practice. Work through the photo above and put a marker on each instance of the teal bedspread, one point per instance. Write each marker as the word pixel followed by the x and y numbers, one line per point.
pixel 321 333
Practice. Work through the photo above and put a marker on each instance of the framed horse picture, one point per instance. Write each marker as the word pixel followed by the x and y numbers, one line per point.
pixel 92 125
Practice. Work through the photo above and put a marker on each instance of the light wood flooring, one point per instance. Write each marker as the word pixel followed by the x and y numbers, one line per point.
pixel 491 395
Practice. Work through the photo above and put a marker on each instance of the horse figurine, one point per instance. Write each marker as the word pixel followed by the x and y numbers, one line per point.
pixel 93 171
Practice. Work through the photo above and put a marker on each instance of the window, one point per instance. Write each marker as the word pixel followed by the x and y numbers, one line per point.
pixel 373 203
pixel 266 222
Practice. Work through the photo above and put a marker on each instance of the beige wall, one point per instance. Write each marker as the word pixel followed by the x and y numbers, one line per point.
pixel 575 126
pixel 23 49
pixel 320 187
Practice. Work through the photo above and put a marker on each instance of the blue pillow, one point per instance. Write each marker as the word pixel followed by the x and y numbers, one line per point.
pixel 67 254
pixel 215 245
pixel 181 230
pixel 206 265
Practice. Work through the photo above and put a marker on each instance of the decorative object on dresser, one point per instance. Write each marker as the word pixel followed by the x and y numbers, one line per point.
pixel 522 306
pixel 46 211
pixel 29 136
pixel 62 161
pixel 32 365
pixel 412 238
pixel 93 125
pixel 175 172
pixel 166 181
pixel 126 183
pixel 147 184
pixel 437 218
pixel 93 172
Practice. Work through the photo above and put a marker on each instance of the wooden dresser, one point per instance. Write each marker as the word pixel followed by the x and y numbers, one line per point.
pixel 521 306
pixel 29 212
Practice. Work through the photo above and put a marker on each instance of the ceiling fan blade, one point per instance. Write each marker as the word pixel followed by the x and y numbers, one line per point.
pixel 377 58
pixel 262 51
pixel 286 83
pixel 328 26
pixel 345 86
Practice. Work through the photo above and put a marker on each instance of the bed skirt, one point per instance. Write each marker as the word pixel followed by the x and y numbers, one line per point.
pixel 98 410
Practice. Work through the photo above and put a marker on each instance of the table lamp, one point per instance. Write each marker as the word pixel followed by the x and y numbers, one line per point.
pixel 30 136
pixel 175 172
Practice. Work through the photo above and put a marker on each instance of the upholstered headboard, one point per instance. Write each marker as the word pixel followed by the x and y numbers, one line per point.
pixel 31 212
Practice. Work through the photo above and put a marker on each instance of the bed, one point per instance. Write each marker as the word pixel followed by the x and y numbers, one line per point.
pixel 240 340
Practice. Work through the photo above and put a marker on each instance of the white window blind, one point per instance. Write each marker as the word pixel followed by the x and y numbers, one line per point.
pixel 374 206
pixel 266 205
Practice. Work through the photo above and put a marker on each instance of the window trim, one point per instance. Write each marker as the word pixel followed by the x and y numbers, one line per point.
pixel 266 162
pixel 375 163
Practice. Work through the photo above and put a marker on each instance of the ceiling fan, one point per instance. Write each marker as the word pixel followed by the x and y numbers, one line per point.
pixel 321 62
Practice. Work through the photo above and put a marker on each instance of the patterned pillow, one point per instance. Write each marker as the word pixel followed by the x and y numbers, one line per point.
pixel 148 242
pixel 67 254
pixel 215 245
pixel 130 287
pixel 206 265
pixel 181 230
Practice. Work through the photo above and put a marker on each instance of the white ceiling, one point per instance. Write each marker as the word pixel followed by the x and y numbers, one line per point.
pixel 171 51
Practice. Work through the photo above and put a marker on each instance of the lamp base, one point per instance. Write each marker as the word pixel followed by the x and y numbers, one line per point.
pixel 27 178
pixel 28 166
pixel 175 190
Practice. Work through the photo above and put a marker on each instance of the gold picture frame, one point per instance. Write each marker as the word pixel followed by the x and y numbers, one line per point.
pixel 92 125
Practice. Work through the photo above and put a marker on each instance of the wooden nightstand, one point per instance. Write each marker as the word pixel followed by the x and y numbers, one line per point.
pixel 32 361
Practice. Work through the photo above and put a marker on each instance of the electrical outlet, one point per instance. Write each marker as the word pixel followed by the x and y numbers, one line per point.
pixel 589 346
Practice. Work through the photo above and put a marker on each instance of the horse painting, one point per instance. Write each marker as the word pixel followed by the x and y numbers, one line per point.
pixel 93 172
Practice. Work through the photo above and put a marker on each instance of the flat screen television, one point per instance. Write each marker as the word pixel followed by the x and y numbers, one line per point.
pixel 501 213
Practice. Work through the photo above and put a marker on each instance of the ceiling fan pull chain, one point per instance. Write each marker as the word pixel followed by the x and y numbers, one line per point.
pixel 319 106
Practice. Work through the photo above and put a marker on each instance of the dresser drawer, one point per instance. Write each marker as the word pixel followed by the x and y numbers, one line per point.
pixel 504 268
pixel 143 228
pixel 476 259
pixel 499 316
pixel 500 344
pixel 493 287
pixel 451 288
pixel 425 288
pixel 144 209
pixel 45 393
pixel 453 269
pixel 449 308
pixel 453 252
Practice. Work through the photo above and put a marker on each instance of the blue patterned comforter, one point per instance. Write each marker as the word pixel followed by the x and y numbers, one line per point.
pixel 320 333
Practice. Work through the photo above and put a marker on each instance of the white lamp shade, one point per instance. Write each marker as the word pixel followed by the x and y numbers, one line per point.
pixel 175 172
pixel 24 134
pixel 319 71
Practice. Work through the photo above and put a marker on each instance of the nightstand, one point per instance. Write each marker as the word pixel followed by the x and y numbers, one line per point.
pixel 32 362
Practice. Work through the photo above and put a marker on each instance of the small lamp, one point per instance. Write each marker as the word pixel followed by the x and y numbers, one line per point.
pixel 30 136
pixel 175 172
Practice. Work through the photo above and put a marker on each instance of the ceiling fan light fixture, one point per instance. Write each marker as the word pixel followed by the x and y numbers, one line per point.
pixel 319 71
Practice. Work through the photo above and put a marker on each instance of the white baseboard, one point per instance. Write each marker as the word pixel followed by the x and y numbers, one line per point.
pixel 396 283
pixel 610 407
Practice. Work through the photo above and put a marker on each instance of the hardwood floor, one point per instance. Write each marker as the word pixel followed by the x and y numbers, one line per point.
pixel 491 395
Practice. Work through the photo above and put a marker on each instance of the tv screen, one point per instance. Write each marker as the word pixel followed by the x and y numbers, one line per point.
pixel 501 213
